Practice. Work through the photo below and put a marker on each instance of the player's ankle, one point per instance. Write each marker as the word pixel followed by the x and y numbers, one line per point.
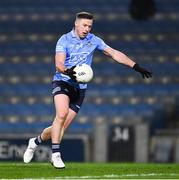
pixel 38 140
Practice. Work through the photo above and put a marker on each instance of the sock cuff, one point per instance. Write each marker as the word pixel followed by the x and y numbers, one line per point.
pixel 38 140
pixel 55 147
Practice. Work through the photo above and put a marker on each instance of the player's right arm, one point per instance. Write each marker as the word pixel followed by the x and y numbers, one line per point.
pixel 60 65
pixel 60 57
pixel 60 62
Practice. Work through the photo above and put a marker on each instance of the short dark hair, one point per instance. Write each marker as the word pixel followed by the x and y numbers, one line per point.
pixel 84 15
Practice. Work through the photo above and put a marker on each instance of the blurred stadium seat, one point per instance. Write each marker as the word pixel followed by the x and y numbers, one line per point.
pixel 28 34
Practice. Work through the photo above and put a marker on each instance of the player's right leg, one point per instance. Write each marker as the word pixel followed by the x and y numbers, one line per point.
pixel 62 109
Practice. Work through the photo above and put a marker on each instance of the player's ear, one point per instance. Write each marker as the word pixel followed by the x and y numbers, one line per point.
pixel 76 22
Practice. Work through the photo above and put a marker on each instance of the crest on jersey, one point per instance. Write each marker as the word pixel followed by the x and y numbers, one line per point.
pixel 89 44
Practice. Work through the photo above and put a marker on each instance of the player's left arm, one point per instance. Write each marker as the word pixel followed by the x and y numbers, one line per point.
pixel 123 59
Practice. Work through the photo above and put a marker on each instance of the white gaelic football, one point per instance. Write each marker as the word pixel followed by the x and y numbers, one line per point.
pixel 84 73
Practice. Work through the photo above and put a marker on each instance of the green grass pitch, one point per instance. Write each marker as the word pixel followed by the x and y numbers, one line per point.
pixel 89 171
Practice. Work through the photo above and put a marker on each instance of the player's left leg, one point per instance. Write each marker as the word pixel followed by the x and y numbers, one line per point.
pixel 34 142
pixel 71 115
pixel 29 153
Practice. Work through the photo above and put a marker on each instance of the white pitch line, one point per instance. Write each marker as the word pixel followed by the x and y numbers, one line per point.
pixel 111 176
pixel 118 176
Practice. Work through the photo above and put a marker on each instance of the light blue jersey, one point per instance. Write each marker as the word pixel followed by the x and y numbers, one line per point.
pixel 77 51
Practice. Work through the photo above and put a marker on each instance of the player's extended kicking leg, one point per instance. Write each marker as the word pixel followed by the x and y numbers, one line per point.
pixel 46 135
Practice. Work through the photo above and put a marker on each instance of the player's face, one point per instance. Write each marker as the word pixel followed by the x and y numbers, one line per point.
pixel 83 27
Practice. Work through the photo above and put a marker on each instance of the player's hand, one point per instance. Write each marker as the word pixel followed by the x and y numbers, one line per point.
pixel 145 73
pixel 70 72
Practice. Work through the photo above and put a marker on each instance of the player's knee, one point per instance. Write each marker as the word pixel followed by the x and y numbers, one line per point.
pixel 61 117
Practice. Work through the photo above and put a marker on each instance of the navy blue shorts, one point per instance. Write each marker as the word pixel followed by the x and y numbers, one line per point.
pixel 76 95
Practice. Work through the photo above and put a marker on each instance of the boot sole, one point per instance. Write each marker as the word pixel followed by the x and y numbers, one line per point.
pixel 57 167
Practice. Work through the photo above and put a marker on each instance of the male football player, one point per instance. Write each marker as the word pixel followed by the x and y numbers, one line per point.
pixel 75 47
